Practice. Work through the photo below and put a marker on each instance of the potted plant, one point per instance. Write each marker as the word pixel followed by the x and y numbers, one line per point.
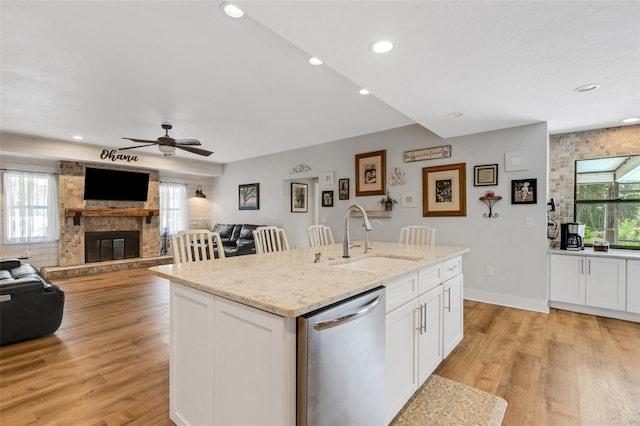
pixel 388 202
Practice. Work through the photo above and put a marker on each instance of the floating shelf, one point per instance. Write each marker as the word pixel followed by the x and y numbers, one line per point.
pixel 374 214
pixel 76 214
pixel 490 201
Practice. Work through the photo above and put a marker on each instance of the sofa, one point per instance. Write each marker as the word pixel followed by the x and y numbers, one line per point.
pixel 30 306
pixel 237 240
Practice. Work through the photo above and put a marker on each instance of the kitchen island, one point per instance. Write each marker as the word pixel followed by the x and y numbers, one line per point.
pixel 233 322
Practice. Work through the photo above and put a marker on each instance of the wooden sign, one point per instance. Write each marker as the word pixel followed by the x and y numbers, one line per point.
pixel 427 153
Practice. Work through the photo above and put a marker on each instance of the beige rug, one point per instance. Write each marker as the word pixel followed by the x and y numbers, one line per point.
pixel 442 401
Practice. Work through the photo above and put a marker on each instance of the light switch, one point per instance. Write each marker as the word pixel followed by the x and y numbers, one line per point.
pixel 530 222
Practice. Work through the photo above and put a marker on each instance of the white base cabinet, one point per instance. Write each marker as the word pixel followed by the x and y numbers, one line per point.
pixel 453 310
pixel 588 280
pixel 633 286
pixel 217 347
pixel 423 317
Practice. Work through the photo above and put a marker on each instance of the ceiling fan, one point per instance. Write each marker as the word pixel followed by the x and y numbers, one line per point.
pixel 167 145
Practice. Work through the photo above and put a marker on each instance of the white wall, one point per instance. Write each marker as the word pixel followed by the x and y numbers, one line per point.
pixel 517 254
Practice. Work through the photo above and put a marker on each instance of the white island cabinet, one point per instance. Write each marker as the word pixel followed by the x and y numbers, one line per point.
pixel 218 347
pixel 423 325
pixel 233 324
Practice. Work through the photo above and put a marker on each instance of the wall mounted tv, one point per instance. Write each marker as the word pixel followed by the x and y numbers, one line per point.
pixel 115 185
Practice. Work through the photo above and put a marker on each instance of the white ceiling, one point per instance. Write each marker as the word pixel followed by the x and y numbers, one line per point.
pixel 112 69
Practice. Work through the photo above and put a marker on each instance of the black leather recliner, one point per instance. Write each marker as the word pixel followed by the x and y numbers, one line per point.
pixel 237 240
pixel 30 306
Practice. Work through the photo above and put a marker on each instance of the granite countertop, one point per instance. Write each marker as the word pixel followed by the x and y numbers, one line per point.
pixel 290 284
pixel 589 251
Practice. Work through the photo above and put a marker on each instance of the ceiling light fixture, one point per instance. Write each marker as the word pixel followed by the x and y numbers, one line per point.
pixel 315 61
pixel 586 88
pixel 231 10
pixel 454 114
pixel 167 150
pixel 382 46
pixel 631 120
pixel 364 92
pixel 77 137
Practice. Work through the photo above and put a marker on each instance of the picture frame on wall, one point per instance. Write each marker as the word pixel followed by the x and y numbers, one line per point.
pixel 485 175
pixel 299 197
pixel 327 198
pixel 249 196
pixel 524 191
pixel 371 173
pixel 444 190
pixel 343 189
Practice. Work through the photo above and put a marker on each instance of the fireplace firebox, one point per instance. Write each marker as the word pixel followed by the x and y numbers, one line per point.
pixel 112 245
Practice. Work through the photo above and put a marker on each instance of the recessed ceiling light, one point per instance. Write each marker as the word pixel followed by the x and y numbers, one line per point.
pixel 586 88
pixel 631 120
pixel 454 114
pixel 315 61
pixel 382 46
pixel 77 137
pixel 232 10
pixel 364 92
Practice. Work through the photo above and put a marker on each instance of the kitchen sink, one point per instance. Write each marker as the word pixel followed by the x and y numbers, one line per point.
pixel 377 263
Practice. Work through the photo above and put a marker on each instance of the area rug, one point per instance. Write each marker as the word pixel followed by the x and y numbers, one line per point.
pixel 442 401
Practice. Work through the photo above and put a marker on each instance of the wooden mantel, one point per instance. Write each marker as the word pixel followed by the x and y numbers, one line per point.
pixel 109 212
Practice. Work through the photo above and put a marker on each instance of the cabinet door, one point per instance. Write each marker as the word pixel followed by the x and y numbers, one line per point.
pixel 453 314
pixel 606 283
pixel 252 361
pixel 191 372
pixel 401 352
pixel 429 333
pixel 633 286
pixel 567 280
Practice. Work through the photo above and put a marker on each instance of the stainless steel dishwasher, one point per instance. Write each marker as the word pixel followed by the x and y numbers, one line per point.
pixel 341 363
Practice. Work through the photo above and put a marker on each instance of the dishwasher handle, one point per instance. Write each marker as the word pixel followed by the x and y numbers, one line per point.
pixel 323 325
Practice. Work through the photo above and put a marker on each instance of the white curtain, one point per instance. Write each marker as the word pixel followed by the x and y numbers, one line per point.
pixel 174 215
pixel 31 207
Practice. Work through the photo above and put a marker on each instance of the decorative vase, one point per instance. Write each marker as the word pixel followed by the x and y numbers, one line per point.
pixel 388 207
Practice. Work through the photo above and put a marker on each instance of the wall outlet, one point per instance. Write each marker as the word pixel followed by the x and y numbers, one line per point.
pixel 489 271
pixel 529 222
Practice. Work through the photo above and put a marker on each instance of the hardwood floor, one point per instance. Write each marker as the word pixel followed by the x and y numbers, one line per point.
pixel 108 363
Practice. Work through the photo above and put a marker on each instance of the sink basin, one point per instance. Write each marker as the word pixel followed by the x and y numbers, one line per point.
pixel 377 263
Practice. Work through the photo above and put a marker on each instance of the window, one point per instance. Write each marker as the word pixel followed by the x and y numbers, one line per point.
pixel 607 200
pixel 31 207
pixel 173 208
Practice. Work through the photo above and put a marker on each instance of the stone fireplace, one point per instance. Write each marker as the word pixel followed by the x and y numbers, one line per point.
pixel 104 217
pixel 111 245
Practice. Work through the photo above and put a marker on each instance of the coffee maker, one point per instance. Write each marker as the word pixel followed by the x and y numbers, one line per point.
pixel 571 236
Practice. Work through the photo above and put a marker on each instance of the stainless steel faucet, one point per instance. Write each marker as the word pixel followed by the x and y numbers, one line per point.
pixel 346 243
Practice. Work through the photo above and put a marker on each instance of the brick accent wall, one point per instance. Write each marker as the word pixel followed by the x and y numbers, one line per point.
pixel 565 149
pixel 71 175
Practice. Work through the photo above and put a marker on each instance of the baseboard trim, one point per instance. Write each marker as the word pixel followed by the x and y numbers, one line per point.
pixel 601 312
pixel 535 305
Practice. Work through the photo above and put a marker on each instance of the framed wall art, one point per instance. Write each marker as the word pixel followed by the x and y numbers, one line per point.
pixel 329 178
pixel 249 196
pixel 327 198
pixel 486 175
pixel 444 190
pixel 524 191
pixel 343 189
pixel 299 197
pixel 409 199
pixel 371 173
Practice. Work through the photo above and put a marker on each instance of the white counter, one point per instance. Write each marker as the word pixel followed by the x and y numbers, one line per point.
pixel 290 284
pixel 589 251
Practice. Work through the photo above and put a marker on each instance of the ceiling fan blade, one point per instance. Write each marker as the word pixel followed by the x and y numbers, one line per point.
pixel 188 142
pixel 137 146
pixel 199 151
pixel 141 140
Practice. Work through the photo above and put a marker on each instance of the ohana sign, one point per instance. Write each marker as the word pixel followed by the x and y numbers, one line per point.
pixel 114 156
